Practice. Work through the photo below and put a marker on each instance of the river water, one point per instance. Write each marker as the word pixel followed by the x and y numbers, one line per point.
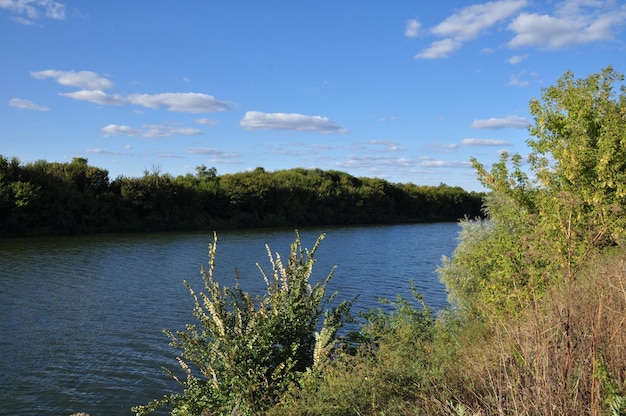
pixel 82 317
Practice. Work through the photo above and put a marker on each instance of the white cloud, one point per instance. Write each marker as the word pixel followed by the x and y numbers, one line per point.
pixel 516 59
pixel 446 147
pixel 572 22
pixel 92 88
pixel 484 142
pixel 471 20
pixel 513 122
pixel 386 145
pixel 159 130
pixel 542 30
pixel 103 152
pixel 168 155
pixel 298 148
pixel 204 151
pixel 466 25
pixel 432 163
pixel 215 155
pixel 95 96
pixel 117 130
pixel 189 102
pixel 207 121
pixel 570 25
pixel 256 120
pixel 439 49
pixel 22 21
pixel 82 79
pixel 517 81
pixel 286 151
pixel 372 161
pixel 148 131
pixel 388 119
pixel 34 9
pixel 412 28
pixel 23 104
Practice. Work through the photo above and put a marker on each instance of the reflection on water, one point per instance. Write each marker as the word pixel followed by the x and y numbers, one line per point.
pixel 82 317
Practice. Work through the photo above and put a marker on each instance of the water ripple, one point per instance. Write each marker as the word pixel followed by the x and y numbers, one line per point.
pixel 82 317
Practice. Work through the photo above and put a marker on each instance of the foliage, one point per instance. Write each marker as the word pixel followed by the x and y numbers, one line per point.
pixel 68 198
pixel 536 269
pixel 579 155
pixel 543 227
pixel 246 351
pixel 395 370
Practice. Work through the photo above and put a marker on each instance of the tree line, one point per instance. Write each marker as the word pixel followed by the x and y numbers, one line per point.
pixel 52 198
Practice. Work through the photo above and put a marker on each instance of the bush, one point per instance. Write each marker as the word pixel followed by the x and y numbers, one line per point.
pixel 246 351
pixel 396 368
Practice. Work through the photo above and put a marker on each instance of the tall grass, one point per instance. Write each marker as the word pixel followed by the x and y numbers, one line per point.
pixel 567 355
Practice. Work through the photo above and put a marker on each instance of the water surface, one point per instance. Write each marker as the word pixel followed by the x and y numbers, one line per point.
pixel 82 317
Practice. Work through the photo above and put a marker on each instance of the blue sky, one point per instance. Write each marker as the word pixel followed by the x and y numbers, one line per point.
pixel 406 91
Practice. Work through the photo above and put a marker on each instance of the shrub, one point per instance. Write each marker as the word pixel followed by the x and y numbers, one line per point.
pixel 246 351
pixel 396 368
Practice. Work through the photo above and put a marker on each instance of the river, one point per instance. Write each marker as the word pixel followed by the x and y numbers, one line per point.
pixel 82 317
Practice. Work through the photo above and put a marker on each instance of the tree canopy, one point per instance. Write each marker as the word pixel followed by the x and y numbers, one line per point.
pixel 65 198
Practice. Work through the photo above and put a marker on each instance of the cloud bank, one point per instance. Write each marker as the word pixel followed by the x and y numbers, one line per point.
pixel 87 80
pixel 257 120
pixel 484 142
pixel 148 131
pixel 509 122
pixel 467 24
pixel 571 22
pixel 189 102
pixel 24 104
pixel 34 9
pixel 95 96
pixel 92 86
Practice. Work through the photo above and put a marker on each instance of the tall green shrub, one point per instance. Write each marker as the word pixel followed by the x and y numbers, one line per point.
pixel 534 269
pixel 546 223
pixel 246 351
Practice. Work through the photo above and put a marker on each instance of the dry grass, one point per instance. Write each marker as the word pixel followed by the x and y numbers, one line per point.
pixel 566 356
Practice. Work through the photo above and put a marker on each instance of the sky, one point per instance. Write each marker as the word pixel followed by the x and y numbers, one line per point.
pixel 406 91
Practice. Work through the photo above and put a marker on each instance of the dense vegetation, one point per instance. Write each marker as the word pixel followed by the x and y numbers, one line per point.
pixel 538 324
pixel 67 198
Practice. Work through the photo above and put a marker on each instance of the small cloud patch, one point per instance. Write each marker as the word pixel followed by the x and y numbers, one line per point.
pixel 24 104
pixel 257 120
pixel 509 122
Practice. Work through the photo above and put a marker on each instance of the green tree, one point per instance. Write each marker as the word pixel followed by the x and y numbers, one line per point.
pixel 545 224
pixel 579 154
pixel 204 173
